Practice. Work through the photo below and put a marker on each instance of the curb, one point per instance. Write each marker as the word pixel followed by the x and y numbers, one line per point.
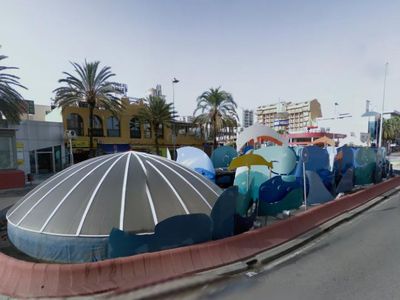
pixel 268 256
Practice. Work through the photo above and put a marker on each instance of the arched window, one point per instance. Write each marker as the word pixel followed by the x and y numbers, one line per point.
pixel 147 129
pixel 113 127
pixel 134 126
pixel 75 122
pixel 97 126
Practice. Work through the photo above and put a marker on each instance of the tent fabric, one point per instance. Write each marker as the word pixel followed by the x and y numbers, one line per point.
pixel 58 248
pixel 283 158
pixel 171 233
pixel 255 131
pixel 275 189
pixel 292 200
pixel 196 159
pixel 283 162
pixel 131 191
pixel 249 185
pixel 123 243
pixel 346 182
pixel 344 160
pixel 317 193
pixel 317 160
pixel 223 214
pixel 365 163
pixel 222 156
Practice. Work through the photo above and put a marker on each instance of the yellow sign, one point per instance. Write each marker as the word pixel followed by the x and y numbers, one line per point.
pixel 82 144
pixel 20 145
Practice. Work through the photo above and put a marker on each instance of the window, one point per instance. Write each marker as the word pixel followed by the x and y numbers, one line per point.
pixel 75 123
pixel 134 126
pixel 147 129
pixel 113 127
pixel 7 155
pixel 97 126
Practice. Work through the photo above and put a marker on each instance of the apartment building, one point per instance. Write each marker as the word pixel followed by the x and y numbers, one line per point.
pixel 247 118
pixel 289 116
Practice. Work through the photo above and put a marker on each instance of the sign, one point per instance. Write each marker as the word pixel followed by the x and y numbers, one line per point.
pixel 83 143
pixel 20 153
pixel 281 123
pixel 30 106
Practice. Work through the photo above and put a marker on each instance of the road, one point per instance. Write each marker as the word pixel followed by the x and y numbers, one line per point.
pixel 357 260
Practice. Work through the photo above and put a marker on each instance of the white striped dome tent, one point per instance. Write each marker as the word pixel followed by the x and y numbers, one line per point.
pixel 132 191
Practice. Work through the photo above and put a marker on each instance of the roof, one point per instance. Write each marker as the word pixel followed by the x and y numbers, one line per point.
pixel 131 191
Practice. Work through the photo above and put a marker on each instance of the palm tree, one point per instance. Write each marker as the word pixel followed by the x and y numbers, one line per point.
pixel 11 102
pixel 218 110
pixel 91 86
pixel 391 129
pixel 157 112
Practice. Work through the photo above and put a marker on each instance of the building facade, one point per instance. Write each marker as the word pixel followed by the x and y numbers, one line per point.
pixel 40 147
pixel 289 116
pixel 122 132
pixel 247 118
pixel 39 113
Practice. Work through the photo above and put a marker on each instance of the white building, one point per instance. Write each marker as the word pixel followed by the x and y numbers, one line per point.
pixel 40 146
pixel 289 116
pixel 247 118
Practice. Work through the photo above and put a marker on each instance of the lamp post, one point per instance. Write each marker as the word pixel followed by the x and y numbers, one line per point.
pixel 174 81
pixel 335 118
pixel 383 107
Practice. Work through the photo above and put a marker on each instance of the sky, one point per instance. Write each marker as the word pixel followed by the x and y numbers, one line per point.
pixel 261 52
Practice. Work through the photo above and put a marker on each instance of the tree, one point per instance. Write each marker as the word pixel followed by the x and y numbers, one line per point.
pixel 218 111
pixel 391 129
pixel 157 112
pixel 11 101
pixel 91 86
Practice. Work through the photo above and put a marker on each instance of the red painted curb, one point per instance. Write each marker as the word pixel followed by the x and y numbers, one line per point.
pixel 26 279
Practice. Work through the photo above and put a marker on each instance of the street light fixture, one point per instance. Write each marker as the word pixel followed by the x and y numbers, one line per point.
pixel 174 81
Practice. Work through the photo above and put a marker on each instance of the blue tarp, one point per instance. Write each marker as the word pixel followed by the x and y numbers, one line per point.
pixel 222 156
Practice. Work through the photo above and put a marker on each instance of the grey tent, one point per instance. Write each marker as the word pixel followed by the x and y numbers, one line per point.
pixel 132 191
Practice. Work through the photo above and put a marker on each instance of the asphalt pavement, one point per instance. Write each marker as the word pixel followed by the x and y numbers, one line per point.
pixel 357 260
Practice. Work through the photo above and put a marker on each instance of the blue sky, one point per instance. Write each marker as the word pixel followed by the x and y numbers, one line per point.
pixel 260 51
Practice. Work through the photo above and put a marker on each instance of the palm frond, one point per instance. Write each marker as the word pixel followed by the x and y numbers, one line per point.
pixel 11 101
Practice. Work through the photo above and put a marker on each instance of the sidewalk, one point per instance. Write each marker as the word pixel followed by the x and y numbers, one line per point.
pixel 394 159
pixel 9 197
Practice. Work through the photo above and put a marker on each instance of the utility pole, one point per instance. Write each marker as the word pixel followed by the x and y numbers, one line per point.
pixel 383 107
pixel 174 81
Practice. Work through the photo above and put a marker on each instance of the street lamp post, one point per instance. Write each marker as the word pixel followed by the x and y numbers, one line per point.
pixel 174 81
pixel 335 118
pixel 383 107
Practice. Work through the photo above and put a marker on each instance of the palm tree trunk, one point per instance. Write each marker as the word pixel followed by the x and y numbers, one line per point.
pixel 215 131
pixel 155 130
pixel 91 108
